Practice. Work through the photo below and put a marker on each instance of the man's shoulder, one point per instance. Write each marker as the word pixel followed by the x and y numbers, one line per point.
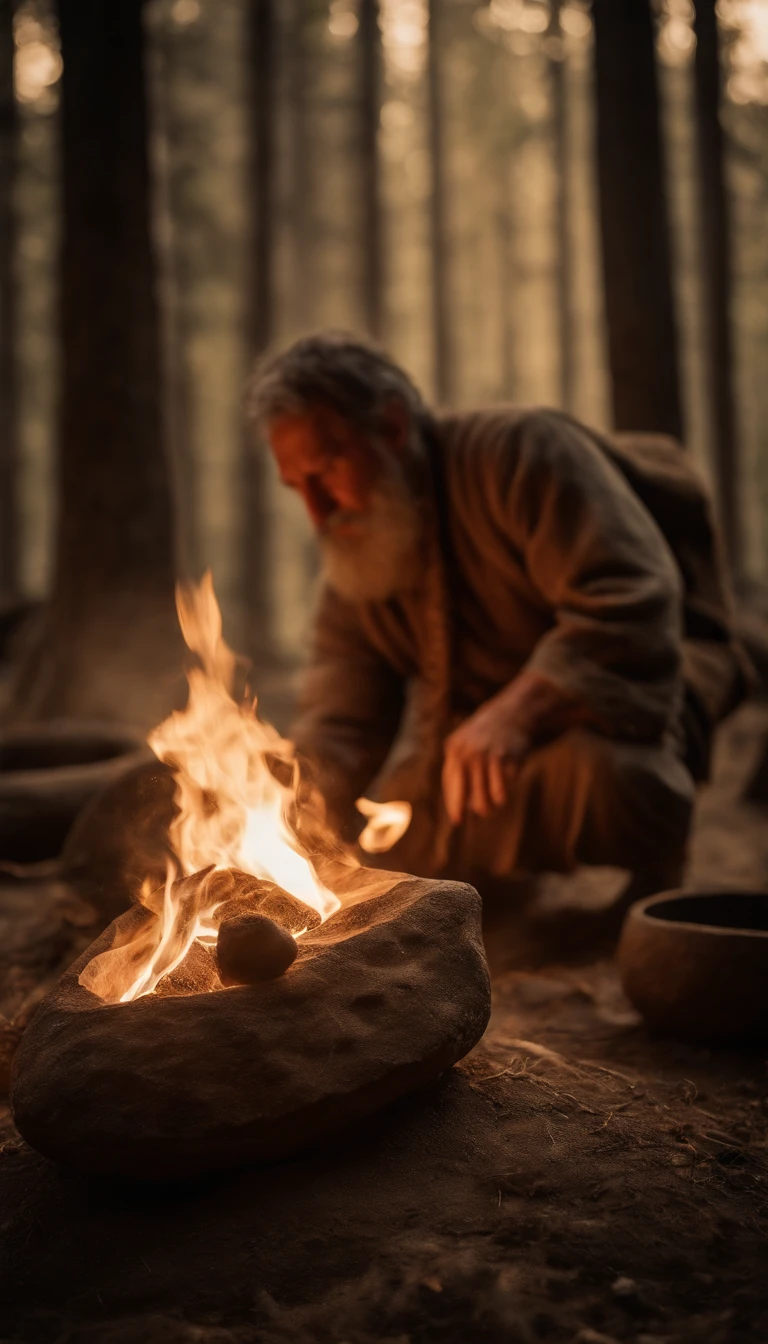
pixel 484 445
pixel 490 428
pixel 467 429
pixel 473 442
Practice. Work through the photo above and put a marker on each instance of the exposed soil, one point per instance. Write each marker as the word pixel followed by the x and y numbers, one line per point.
pixel 572 1180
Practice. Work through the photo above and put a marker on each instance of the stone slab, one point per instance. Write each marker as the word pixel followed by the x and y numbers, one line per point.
pixel 383 998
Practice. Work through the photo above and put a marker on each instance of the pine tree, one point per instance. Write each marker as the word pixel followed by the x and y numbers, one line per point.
pixel 642 342
pixel 109 647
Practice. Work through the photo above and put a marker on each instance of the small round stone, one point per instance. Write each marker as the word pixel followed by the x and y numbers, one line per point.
pixel 252 948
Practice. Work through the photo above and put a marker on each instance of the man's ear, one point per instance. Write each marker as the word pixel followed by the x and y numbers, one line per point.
pixel 396 425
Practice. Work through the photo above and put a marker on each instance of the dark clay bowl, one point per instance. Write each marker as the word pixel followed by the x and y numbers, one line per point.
pixel 695 964
pixel 48 772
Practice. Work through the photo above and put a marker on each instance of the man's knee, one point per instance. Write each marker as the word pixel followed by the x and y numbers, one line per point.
pixel 589 799
pixel 635 800
pixel 581 799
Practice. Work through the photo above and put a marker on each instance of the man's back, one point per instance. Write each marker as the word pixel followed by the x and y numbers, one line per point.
pixel 479 455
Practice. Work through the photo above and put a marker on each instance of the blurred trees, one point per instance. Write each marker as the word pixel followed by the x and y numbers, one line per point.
pixel 259 310
pixel 438 212
pixel 9 576
pixel 557 74
pixel 370 175
pixel 744 37
pixel 637 265
pixel 177 56
pixel 109 645
pixel 200 122
pixel 716 270
pixel 425 170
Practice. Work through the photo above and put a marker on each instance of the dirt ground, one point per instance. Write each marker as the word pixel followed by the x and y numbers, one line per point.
pixel 572 1180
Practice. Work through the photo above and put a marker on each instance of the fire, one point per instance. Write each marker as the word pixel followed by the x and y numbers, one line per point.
pixel 387 823
pixel 241 805
pixel 234 809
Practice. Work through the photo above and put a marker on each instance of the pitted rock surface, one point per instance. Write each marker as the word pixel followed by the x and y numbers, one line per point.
pixel 243 894
pixel 383 997
pixel 197 973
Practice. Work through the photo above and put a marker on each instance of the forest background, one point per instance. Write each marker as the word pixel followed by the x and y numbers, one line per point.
pixel 429 175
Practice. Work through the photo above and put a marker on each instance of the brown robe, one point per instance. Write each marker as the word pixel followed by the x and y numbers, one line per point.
pixel 540 553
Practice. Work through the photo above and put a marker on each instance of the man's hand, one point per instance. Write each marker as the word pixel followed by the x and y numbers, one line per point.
pixel 482 753
pixel 477 756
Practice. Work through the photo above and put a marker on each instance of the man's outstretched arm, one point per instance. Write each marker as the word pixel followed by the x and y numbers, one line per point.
pixel 349 707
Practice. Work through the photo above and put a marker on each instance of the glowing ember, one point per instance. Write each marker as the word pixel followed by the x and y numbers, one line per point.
pixel 237 791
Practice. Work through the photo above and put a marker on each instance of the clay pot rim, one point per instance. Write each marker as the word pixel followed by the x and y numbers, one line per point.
pixel 127 742
pixel 642 912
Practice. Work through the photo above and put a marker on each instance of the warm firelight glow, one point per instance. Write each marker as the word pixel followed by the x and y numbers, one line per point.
pixel 233 809
pixel 387 823
pixel 237 784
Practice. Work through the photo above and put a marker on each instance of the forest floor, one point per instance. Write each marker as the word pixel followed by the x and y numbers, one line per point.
pixel 572 1180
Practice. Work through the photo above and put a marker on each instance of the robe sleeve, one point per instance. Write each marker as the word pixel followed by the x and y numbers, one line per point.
pixel 601 564
pixel 349 707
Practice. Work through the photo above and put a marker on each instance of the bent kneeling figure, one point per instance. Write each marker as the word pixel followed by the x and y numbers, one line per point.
pixel 524 629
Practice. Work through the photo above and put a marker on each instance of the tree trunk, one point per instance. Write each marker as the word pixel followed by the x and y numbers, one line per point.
pixel 557 72
pixel 110 645
pixel 9 558
pixel 175 52
pixel 642 344
pixel 715 238
pixel 260 317
pixel 505 233
pixel 437 213
pixel 299 217
pixel 370 109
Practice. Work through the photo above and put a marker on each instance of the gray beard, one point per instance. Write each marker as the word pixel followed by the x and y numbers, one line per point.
pixel 384 561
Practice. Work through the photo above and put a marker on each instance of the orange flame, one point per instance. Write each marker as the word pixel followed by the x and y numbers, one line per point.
pixel 387 823
pixel 233 810
pixel 237 785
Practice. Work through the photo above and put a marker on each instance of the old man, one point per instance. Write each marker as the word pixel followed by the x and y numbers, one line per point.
pixel 522 629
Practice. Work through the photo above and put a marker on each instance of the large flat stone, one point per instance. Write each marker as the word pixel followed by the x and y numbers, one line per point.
pixel 383 997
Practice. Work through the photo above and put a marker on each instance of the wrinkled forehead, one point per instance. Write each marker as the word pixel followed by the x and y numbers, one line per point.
pixel 304 442
pixel 311 442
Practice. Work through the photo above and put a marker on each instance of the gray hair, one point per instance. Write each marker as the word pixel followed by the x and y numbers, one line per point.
pixel 330 369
